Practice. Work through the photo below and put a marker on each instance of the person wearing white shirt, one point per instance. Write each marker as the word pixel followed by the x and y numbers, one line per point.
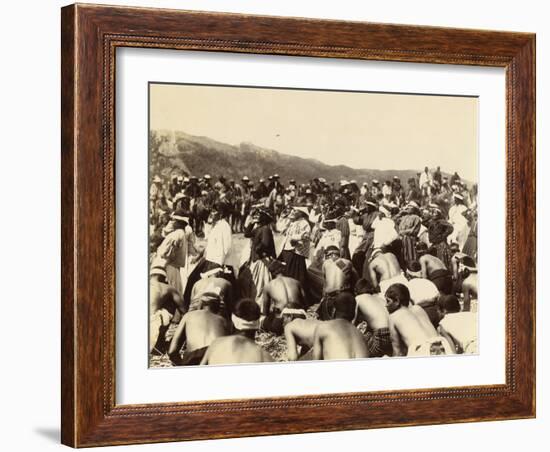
pixel 217 248
pixel 425 182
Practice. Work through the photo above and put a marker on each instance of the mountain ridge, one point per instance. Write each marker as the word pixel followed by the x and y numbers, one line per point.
pixel 179 152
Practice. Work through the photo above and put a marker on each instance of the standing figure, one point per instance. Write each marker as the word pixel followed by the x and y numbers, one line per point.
pixel 254 274
pixel 176 249
pixel 217 248
pixel 296 246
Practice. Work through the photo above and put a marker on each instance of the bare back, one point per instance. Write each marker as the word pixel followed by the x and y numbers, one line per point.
pixel 202 328
pixel 408 328
pixel 338 339
pixel 337 274
pixel 372 308
pixel 299 332
pixel 281 291
pixel 235 349
pixel 424 320
pixel 430 264
pixel 384 266
pixel 161 293
pixel 211 284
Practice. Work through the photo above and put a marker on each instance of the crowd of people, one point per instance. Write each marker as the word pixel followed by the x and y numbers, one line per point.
pixel 337 270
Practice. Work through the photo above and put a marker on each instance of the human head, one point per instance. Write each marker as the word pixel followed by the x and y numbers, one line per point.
pixel 344 306
pixel 448 304
pixel 246 317
pixel 414 269
pixel 210 301
pixel 397 296
pixel 220 210
pixel 332 252
pixel 276 268
pixel 364 286
pixel 180 218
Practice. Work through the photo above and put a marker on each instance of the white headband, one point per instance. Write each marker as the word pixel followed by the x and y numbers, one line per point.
pixel 293 311
pixel 244 325
pixel 212 272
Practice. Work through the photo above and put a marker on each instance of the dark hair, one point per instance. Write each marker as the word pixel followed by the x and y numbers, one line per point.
pixel 332 249
pixel 212 303
pixel 399 292
pixel 415 266
pixel 344 306
pixel 364 286
pixel 247 309
pixel 222 208
pixel 449 303
pixel 276 267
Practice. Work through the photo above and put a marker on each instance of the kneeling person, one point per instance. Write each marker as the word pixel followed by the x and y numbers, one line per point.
pixel 371 307
pixel 280 292
pixel 338 338
pixel 240 347
pixel 198 329
pixel 299 332
pixel 411 331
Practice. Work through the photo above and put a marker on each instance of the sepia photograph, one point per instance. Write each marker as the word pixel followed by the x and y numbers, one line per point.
pixel 292 224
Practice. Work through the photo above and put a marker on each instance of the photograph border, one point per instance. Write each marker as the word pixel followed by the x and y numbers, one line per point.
pixel 90 36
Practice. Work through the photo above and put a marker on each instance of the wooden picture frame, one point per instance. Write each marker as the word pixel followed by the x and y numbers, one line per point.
pixel 90 36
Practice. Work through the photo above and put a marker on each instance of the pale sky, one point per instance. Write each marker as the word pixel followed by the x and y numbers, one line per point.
pixel 360 130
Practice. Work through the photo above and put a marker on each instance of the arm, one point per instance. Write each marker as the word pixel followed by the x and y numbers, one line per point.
pixel 249 227
pixel 372 275
pixel 206 357
pixel 177 340
pixel 454 344
pixel 263 246
pixel 292 347
pixel 317 345
pixel 358 317
pixel 265 301
pixel 424 267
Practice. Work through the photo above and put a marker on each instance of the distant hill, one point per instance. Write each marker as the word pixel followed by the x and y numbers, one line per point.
pixel 193 155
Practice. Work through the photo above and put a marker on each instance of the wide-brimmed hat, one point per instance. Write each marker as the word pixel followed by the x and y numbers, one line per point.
pixel 207 177
pixel 245 178
pixel 157 179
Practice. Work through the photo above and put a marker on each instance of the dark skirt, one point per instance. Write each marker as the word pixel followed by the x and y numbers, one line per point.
pixel 295 267
pixel 443 280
